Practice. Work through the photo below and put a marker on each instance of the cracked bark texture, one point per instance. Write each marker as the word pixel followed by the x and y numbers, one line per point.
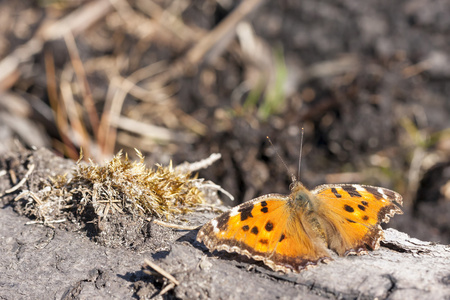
pixel 41 263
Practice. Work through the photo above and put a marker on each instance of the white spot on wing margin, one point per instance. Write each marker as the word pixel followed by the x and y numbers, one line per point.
pixel 214 225
pixel 381 191
pixel 234 211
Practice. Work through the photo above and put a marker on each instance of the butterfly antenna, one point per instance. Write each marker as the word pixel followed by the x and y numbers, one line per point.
pixel 270 141
pixel 300 154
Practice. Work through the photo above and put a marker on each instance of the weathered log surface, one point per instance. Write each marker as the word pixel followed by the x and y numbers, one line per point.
pixel 41 263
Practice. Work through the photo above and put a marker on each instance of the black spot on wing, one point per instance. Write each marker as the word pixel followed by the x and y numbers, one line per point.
pixel 255 230
pixel 264 241
pixel 265 209
pixel 222 221
pixel 245 228
pixel 350 221
pixel 365 203
pixel 348 208
pixel 351 190
pixel 365 218
pixel 374 191
pixel 361 207
pixel 335 192
pixel 282 237
pixel 246 212
pixel 269 226
pixel 263 203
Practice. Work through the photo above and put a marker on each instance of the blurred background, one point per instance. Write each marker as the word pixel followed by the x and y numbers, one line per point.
pixel 369 81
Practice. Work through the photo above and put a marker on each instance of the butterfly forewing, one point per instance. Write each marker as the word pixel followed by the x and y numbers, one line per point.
pixel 262 229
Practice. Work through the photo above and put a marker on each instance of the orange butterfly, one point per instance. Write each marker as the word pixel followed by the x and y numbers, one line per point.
pixel 293 232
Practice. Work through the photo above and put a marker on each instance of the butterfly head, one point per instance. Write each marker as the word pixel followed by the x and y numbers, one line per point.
pixel 300 196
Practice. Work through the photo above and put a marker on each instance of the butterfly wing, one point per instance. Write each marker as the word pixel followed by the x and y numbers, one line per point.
pixel 351 215
pixel 265 229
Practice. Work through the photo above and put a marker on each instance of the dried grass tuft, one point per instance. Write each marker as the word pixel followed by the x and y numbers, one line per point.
pixel 118 186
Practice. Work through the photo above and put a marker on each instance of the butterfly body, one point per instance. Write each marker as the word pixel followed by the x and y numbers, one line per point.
pixel 294 232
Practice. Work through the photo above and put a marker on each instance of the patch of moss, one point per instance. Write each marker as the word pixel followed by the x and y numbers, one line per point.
pixel 118 186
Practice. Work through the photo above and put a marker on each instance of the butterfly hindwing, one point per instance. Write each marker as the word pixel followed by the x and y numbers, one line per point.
pixel 351 215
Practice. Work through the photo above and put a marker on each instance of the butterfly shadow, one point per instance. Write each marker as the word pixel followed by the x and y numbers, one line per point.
pixel 239 261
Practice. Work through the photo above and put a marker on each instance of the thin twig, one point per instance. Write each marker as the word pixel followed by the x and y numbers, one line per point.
pixel 161 271
pixel 77 21
pixel 175 226
pixel 214 186
pixel 22 181
pixel 222 33
pixel 75 119
pixel 151 131
pixel 140 25
pixel 13 176
pixel 202 164
pixel 108 132
pixel 172 23
pixel 82 81
pixel 166 289
pixel 45 222
pixel 28 193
